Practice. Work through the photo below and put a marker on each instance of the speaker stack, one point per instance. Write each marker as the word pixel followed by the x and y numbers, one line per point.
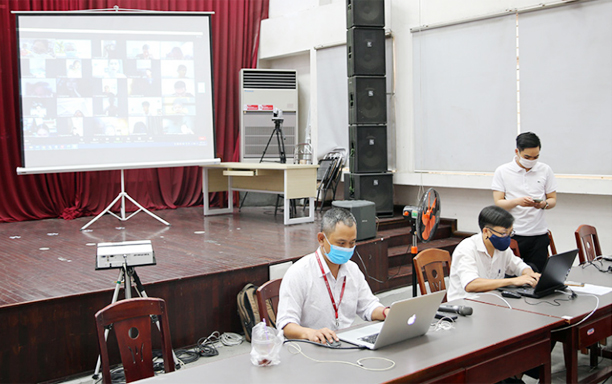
pixel 367 92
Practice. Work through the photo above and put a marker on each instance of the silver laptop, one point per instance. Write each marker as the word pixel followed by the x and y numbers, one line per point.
pixel 406 319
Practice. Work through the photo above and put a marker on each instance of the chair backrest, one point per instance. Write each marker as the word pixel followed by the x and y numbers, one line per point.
pixel 131 322
pixel 267 301
pixel 552 247
pixel 587 242
pixel 325 169
pixel 432 262
pixel 336 171
pixel 515 248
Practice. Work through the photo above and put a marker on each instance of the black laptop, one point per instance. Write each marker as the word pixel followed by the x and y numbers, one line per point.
pixel 553 276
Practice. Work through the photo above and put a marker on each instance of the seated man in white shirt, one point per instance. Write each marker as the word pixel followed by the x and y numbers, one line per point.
pixel 481 262
pixel 324 291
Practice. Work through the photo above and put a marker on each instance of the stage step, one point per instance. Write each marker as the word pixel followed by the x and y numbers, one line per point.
pixel 386 259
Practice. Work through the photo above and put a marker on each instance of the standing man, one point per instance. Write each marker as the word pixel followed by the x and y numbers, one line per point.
pixel 526 188
pixel 324 291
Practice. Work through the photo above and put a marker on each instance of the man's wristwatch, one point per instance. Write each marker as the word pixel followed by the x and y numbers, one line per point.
pixel 545 205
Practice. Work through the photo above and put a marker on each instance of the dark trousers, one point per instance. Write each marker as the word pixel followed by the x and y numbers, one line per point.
pixel 534 250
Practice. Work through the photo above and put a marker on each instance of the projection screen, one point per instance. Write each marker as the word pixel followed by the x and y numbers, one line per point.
pixel 115 90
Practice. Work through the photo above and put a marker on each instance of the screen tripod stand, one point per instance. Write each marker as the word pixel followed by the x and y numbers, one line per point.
pixel 126 274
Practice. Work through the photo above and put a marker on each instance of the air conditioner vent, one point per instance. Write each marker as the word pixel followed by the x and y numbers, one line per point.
pixel 269 79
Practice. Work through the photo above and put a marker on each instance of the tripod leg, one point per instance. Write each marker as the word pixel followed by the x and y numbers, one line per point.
pixel 266 148
pixel 141 291
pixel 280 140
pixel 243 199
pixel 114 300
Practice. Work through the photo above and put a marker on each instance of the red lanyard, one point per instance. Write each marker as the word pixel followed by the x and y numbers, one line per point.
pixel 331 296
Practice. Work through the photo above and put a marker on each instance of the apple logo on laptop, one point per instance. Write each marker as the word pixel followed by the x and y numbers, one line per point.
pixel 412 319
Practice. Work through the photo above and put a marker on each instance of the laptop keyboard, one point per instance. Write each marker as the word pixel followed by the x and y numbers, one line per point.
pixel 370 339
pixel 528 291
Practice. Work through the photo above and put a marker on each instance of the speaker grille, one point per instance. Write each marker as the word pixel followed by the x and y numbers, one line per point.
pixel 365 13
pixel 368 148
pixel 365 51
pixel 367 100
pixel 375 187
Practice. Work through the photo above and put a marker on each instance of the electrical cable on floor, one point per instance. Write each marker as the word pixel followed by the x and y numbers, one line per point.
pixel 231 339
pixel 207 346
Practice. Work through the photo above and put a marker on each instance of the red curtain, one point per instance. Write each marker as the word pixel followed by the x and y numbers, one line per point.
pixel 235 33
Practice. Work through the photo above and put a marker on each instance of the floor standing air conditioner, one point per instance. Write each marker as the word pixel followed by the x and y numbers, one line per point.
pixel 261 92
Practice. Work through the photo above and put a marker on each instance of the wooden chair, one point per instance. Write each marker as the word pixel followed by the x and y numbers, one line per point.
pixel 432 261
pixel 552 248
pixel 587 242
pixel 267 301
pixel 131 321
pixel 515 248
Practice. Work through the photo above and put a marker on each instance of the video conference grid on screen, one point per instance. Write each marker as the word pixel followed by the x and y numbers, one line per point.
pixel 85 89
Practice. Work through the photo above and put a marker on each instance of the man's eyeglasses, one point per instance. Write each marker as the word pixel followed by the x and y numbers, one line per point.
pixel 500 234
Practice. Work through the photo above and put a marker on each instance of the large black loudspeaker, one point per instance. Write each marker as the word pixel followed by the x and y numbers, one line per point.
pixel 367 100
pixel 376 187
pixel 365 13
pixel 367 148
pixel 365 48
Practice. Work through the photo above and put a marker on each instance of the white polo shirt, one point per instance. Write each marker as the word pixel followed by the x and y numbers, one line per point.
pixel 471 261
pixel 304 298
pixel 515 182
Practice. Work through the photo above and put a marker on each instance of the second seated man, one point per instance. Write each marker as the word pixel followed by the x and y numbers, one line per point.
pixel 481 262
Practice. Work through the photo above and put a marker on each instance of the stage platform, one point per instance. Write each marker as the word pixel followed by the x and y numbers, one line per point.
pixel 50 290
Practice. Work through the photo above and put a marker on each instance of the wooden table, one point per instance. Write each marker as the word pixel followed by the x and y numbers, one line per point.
pixel 492 344
pixel 574 333
pixel 293 181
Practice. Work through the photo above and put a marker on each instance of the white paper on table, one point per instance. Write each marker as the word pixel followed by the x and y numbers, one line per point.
pixel 592 289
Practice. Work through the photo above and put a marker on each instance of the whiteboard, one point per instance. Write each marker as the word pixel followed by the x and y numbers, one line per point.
pixel 465 96
pixel 465 90
pixel 566 85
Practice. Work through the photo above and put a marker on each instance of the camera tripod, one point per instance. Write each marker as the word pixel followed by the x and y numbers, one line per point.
pixel 126 274
pixel 280 141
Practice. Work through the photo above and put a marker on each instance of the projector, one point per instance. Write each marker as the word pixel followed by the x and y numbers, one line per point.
pixel 130 253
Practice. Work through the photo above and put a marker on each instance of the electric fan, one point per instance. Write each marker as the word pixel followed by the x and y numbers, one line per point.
pixel 424 219
pixel 428 216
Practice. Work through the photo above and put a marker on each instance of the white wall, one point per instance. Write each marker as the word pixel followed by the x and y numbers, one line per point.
pixel 296 27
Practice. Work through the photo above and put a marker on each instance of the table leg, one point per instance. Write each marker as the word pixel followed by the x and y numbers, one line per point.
pixel 570 355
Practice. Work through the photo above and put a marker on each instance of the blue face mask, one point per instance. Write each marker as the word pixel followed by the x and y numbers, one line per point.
pixel 339 255
pixel 500 243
